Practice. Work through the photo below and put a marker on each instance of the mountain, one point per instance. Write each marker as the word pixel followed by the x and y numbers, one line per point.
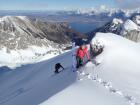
pixel 25 40
pixel 26 32
pixel 127 28
pixel 88 19
pixel 131 31
pixel 115 26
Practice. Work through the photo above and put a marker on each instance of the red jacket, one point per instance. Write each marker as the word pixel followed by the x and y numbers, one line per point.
pixel 82 52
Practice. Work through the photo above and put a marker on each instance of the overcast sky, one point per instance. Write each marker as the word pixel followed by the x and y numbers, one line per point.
pixel 66 4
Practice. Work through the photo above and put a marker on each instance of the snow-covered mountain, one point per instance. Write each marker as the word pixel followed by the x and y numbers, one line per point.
pixel 26 31
pixel 115 81
pixel 127 28
pixel 131 31
pixel 114 26
pixel 24 40
pixel 136 19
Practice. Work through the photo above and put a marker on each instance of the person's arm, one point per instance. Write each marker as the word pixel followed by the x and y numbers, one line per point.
pixel 87 54
pixel 62 67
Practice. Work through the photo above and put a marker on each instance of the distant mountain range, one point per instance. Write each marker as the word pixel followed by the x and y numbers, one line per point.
pixel 75 15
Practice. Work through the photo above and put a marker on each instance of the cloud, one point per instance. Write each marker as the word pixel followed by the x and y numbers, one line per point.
pixel 128 4
pixel 37 6
pixel 103 7
pixel 23 5
pixel 124 4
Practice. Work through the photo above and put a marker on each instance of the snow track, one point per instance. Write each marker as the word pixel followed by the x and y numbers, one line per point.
pixel 130 99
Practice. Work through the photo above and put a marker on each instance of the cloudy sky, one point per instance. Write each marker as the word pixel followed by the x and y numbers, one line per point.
pixel 66 4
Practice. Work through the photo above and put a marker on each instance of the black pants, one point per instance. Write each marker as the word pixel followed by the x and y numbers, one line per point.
pixel 79 62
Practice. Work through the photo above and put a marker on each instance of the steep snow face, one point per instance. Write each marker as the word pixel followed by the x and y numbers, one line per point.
pixel 130 25
pixel 136 19
pixel 120 63
pixel 131 31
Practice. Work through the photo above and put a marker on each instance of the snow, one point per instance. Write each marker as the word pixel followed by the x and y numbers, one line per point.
pixel 22 17
pixel 33 54
pixel 120 63
pixel 137 19
pixel 115 81
pixel 18 22
pixel 85 93
pixel 117 21
pixel 118 76
pixel 7 18
pixel 34 83
pixel 130 25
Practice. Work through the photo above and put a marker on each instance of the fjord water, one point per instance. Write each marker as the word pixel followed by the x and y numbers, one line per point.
pixel 84 27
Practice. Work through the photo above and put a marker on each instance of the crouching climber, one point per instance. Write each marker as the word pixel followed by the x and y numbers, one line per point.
pixel 57 67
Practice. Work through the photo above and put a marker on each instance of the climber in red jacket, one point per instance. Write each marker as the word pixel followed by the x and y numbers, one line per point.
pixel 80 54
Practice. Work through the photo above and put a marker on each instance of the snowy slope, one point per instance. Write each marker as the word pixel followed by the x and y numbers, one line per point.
pixel 33 54
pixel 114 82
pixel 118 72
pixel 85 93
pixel 33 84
pixel 120 63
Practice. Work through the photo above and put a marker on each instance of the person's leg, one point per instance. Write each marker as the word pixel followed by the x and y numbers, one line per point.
pixel 56 69
pixel 78 62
